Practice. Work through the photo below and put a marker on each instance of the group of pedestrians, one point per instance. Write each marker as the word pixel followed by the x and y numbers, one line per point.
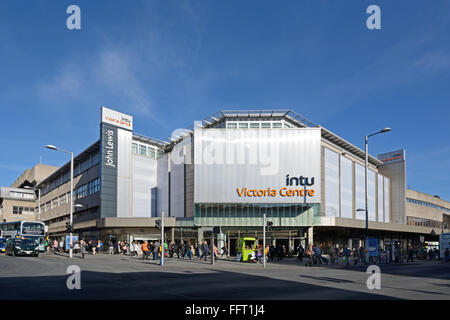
pixel 81 245
pixel 314 255
pixel 277 252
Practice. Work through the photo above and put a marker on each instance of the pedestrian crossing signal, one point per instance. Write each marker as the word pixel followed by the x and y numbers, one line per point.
pixel 269 225
pixel 158 223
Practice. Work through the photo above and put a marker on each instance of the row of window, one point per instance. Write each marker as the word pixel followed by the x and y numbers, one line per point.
pixel 79 167
pixel 146 151
pixel 78 193
pixel 258 124
pixel 421 222
pixel 22 210
pixel 428 204
pixel 22 195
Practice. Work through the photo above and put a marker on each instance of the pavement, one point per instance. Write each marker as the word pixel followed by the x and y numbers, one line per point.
pixel 122 277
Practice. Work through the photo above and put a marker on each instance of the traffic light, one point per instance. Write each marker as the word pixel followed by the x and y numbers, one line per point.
pixel 158 223
pixel 269 225
pixel 69 227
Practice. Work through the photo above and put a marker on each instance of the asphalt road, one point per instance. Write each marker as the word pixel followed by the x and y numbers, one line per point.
pixel 122 277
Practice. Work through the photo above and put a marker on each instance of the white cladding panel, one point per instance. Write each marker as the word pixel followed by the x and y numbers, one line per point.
pixel 124 177
pixel 144 179
pixel 228 160
pixel 177 181
pixel 331 183
pixel 346 188
pixel 380 199
pixel 371 195
pixel 162 181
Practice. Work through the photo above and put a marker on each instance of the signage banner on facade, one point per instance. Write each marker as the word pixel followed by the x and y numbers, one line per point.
pixel 117 119
pixel 108 168
pixel 257 165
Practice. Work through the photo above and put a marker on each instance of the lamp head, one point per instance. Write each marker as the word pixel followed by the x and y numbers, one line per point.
pixel 385 130
pixel 50 146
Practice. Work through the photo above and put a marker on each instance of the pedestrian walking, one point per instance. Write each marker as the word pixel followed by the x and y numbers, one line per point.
pixel 410 254
pixel 205 249
pixel 188 252
pixel 272 252
pixel 309 255
pixel 155 249
pixel 336 252
pixel 145 250
pixel 362 255
pixel 300 253
pixel 346 253
pixel 55 246
pixel 225 250
pixel 110 248
pixel 198 250
pixel 76 248
pixel 84 248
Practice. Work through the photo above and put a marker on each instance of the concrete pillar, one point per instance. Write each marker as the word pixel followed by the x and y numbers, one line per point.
pixel 200 235
pixel 310 236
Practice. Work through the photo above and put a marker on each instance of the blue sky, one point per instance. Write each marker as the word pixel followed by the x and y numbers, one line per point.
pixel 171 62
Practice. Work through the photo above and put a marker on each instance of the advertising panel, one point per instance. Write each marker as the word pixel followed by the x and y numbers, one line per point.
pixel 117 119
pixel 257 165
pixel 108 167
pixel 372 247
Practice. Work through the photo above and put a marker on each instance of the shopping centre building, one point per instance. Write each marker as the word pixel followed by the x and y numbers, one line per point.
pixel 227 171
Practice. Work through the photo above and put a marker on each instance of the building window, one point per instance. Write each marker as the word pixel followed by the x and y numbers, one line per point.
pixel 151 153
pixel 265 125
pixel 94 186
pixel 243 125
pixel 142 150
pixel 232 125
pixel 254 124
pixel 54 203
pixel 135 148
pixel 82 191
pixel 277 125
pixel 62 199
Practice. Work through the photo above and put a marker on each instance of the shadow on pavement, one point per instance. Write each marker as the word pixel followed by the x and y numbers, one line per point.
pixel 156 285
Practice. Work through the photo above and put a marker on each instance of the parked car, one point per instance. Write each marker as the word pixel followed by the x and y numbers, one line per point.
pixel 2 244
pixel 16 247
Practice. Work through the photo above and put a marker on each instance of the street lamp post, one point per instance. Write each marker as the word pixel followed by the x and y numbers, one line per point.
pixel 52 147
pixel 162 239
pixel 365 187
pixel 264 240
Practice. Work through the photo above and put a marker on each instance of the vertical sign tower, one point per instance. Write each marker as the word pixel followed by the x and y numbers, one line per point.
pixel 116 131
